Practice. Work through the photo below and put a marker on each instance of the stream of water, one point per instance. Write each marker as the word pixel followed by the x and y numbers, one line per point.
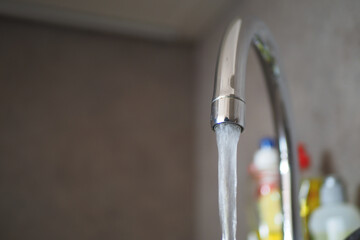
pixel 227 136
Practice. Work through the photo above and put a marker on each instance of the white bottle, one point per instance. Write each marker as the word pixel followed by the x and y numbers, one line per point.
pixel 334 219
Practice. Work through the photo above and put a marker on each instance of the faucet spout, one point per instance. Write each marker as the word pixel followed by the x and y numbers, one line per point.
pixel 228 104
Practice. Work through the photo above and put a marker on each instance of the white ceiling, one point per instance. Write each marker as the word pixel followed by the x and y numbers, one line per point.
pixel 172 19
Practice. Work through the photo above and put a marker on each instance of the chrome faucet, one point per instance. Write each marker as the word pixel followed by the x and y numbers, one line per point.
pixel 228 104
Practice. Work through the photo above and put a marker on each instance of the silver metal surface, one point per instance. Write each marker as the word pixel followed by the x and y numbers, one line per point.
pixel 228 109
pixel 228 104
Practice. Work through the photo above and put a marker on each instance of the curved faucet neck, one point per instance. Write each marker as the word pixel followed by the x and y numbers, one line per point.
pixel 228 104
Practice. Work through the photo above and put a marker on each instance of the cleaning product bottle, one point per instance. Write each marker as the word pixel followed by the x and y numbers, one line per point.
pixel 265 170
pixel 309 195
pixel 334 219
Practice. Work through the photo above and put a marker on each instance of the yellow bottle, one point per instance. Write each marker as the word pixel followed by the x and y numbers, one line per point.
pixel 309 195
pixel 270 214
pixel 309 201
pixel 265 170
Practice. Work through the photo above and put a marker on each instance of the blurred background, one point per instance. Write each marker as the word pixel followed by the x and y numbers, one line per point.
pixel 104 121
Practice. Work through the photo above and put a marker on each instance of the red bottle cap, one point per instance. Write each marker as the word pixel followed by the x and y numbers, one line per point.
pixel 304 159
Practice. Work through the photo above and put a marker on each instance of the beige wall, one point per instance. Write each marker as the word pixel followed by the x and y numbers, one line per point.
pixel 320 49
pixel 95 135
